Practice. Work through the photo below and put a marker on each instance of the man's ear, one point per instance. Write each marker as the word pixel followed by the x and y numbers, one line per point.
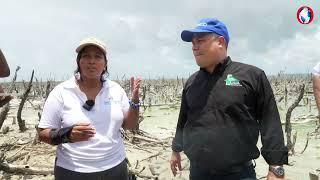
pixel 222 41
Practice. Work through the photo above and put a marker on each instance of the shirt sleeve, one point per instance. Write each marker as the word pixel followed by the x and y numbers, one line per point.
pixel 316 69
pixel 51 114
pixel 273 148
pixel 177 143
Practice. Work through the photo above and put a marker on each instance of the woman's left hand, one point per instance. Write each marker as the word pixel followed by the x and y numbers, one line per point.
pixel 135 86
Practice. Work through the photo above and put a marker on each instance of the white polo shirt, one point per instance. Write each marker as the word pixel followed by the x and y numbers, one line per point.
pixel 63 108
pixel 316 69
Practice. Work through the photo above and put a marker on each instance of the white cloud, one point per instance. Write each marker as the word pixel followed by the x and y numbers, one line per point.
pixel 143 37
pixel 296 55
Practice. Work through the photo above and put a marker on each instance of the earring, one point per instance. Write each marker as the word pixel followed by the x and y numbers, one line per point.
pixel 77 76
pixel 103 77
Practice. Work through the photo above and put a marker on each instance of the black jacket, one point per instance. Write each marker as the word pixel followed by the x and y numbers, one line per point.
pixel 222 114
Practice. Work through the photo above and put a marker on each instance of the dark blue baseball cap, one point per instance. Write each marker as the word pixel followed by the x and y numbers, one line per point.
pixel 209 25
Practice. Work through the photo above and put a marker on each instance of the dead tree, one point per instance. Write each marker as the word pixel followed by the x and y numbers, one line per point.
pixel 37 91
pixel 48 88
pixel 288 126
pixel 285 96
pixel 5 109
pixel 22 125
pixel 47 91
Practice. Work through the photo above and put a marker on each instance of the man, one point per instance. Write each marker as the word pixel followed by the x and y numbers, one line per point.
pixel 4 72
pixel 224 107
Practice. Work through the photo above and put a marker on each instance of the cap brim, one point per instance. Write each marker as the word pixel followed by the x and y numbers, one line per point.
pixel 79 48
pixel 186 35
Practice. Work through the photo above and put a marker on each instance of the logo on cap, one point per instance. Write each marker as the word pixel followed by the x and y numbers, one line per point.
pixel 202 24
pixel 305 15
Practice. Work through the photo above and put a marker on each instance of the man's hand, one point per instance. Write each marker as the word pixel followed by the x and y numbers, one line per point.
pixel 82 132
pixel 175 162
pixel 271 176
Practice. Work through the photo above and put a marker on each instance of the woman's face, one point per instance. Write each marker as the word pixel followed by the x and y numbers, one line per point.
pixel 92 62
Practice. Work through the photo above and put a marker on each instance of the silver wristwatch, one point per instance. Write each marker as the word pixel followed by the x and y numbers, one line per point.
pixel 277 170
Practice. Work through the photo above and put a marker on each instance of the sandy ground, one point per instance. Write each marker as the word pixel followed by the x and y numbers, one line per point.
pixel 159 122
pixel 163 122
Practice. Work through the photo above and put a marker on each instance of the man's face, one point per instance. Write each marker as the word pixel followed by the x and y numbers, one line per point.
pixel 205 47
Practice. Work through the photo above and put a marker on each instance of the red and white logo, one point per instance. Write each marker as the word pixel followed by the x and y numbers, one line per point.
pixel 305 15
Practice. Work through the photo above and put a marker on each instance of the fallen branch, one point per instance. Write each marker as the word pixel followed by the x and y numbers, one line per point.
pixel 21 148
pixel 25 169
pixel 305 147
pixel 147 139
pixel 17 156
pixel 137 147
pixel 152 156
pixel 138 173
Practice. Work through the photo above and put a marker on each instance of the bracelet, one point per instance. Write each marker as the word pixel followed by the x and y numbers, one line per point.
pixel 134 105
pixel 59 136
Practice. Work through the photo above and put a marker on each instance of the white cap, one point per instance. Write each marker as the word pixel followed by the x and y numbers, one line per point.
pixel 91 41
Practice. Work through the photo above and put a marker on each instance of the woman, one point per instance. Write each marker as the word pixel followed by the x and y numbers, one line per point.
pixel 83 116
pixel 4 72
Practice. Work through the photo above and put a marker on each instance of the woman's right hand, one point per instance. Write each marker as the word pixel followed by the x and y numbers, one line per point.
pixel 82 132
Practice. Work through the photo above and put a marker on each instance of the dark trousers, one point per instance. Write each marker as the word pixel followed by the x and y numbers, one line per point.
pixel 119 172
pixel 247 173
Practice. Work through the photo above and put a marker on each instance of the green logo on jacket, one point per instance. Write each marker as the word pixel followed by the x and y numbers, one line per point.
pixel 232 81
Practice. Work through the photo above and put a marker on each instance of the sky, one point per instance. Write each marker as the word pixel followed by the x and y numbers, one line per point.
pixel 143 36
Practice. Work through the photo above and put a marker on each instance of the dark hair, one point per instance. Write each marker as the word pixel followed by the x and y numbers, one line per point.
pixel 104 72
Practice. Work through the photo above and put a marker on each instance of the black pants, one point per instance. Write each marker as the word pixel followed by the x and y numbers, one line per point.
pixel 247 173
pixel 119 172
